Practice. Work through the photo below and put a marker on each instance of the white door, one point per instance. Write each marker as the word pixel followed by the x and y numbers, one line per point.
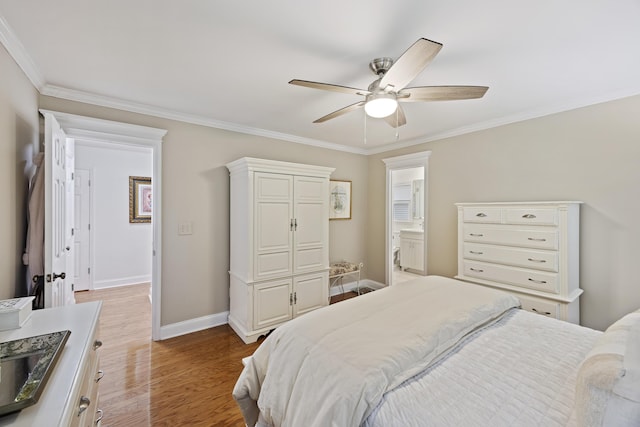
pixel 272 303
pixel 69 230
pixel 82 227
pixel 310 223
pixel 273 225
pixel 310 292
pixel 55 183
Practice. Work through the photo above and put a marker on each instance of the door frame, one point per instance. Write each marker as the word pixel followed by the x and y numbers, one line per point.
pixel 107 131
pixel 407 161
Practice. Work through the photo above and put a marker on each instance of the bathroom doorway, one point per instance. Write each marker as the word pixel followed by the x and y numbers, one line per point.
pixel 406 217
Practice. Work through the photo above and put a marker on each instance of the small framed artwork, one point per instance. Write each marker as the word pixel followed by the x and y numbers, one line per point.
pixel 340 199
pixel 140 199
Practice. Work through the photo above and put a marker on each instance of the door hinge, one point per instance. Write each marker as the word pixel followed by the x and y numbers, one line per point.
pixel 89 270
pixel 73 287
pixel 72 231
pixel 291 299
pixel 88 226
pixel 72 176
pixel 89 183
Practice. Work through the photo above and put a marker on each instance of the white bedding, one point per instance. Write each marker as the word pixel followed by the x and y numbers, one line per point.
pixel 332 366
pixel 519 371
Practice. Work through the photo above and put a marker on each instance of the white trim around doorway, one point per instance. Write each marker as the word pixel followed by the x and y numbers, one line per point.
pixel 109 132
pixel 414 160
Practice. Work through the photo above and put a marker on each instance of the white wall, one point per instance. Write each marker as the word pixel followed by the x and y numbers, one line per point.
pixel 121 250
pixel 19 129
pixel 195 186
pixel 591 154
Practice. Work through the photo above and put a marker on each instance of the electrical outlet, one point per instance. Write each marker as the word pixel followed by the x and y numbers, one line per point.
pixel 185 228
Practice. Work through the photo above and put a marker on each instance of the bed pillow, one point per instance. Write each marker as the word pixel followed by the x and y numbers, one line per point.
pixel 608 382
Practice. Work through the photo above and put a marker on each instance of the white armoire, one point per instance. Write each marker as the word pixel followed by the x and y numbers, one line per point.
pixel 279 238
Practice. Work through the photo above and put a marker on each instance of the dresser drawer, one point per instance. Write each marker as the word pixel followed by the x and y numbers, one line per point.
pixel 510 236
pixel 540 306
pixel 538 280
pixel 535 216
pixel 484 215
pixel 528 258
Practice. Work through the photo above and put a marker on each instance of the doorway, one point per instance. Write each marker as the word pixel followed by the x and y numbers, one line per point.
pixel 107 132
pixel 406 217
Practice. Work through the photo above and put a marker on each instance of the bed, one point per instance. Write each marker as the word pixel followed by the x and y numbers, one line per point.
pixel 440 352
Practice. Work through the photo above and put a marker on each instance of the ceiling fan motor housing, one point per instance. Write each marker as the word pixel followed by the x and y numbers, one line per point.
pixel 380 66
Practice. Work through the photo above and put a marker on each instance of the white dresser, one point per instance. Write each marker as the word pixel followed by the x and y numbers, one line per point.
pixel 279 238
pixel 530 249
pixel 70 396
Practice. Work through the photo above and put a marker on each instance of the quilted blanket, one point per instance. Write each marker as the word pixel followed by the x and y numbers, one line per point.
pixel 332 366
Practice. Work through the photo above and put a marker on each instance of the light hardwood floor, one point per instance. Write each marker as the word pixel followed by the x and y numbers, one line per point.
pixel 183 381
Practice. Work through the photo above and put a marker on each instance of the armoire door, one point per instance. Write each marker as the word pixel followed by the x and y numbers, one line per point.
pixel 272 303
pixel 273 225
pixel 310 292
pixel 310 224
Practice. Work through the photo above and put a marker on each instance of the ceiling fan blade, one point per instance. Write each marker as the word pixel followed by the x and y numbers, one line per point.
pixel 442 93
pixel 396 121
pixel 340 112
pixel 330 87
pixel 410 64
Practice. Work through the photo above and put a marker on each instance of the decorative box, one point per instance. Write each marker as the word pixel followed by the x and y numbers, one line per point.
pixel 14 312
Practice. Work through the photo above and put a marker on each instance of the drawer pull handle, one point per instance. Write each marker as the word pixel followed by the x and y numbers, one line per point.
pixel 528 216
pixel 542 282
pixel 536 260
pixel 536 240
pixel 476 269
pixel 546 313
pixel 476 252
pixel 476 234
pixel 84 404
pixel 100 375
pixel 481 215
pixel 97 344
pixel 99 416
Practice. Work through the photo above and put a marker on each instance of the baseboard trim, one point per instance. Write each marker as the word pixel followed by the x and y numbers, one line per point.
pixel 124 281
pixel 193 325
pixel 218 319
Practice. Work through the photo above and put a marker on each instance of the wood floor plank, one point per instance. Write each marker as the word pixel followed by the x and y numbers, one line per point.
pixel 183 381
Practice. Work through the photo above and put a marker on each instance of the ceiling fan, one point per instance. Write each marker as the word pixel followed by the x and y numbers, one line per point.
pixel 384 94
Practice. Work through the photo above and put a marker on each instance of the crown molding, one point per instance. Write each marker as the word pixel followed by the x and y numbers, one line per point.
pixel 19 54
pixel 133 107
pixel 514 118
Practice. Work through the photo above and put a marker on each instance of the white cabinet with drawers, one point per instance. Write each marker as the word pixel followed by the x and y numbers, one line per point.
pixel 70 396
pixel 530 249
pixel 279 237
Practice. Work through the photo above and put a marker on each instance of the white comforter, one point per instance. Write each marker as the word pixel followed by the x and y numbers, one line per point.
pixel 332 366
pixel 520 371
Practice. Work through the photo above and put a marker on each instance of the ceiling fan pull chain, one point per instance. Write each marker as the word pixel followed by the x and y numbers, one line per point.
pixel 397 126
pixel 365 128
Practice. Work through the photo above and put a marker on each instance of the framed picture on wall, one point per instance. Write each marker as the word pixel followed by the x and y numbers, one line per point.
pixel 340 199
pixel 140 199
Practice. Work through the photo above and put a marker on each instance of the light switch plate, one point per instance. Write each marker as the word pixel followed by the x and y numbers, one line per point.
pixel 185 228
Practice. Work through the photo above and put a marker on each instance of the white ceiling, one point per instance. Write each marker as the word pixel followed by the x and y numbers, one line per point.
pixel 227 64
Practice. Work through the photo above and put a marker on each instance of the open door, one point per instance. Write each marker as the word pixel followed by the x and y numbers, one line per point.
pixel 55 223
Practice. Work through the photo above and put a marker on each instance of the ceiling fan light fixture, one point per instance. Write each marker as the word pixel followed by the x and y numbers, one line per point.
pixel 380 105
